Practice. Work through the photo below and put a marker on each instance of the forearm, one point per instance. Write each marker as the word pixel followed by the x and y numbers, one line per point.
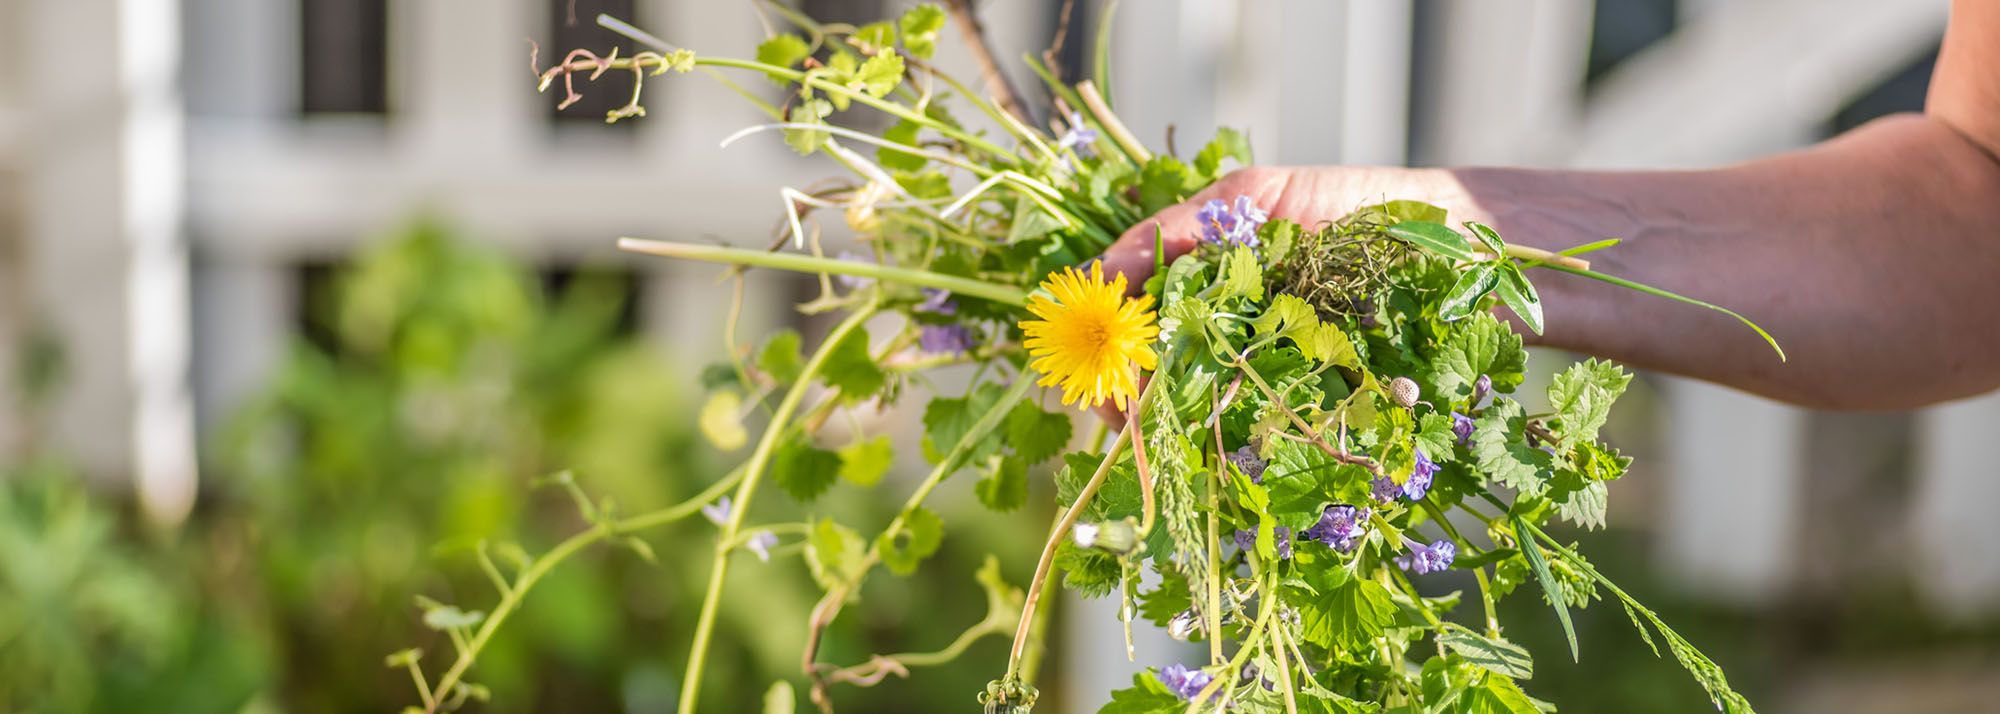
pixel 1874 259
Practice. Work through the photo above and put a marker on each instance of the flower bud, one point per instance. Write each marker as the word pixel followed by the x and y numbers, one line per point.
pixel 1404 391
pixel 1184 624
pixel 1480 388
pixel 1119 537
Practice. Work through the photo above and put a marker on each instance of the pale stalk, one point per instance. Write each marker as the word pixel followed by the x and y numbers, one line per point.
pixel 795 262
pixel 1049 550
pixel 753 474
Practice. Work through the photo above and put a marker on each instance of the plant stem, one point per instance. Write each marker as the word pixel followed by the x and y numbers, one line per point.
pixel 996 292
pixel 753 473
pixel 1486 595
pixel 1538 256
pixel 1114 127
pixel 511 597
pixel 1049 550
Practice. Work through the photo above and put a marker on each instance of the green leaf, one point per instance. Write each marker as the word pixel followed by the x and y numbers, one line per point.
pixel 1146 696
pixel 1656 292
pixel 835 554
pixel 1242 276
pixel 1581 397
pixel 1533 551
pixel 1594 462
pixel 1005 487
pixel 721 420
pixel 948 419
pixel 1036 435
pixel 809 111
pixel 1499 695
pixel 880 74
pixel 782 51
pixel 1435 436
pixel 1479 345
pixel 875 37
pixel 780 699
pixel 804 471
pixel 1434 237
pixel 1088 571
pixel 1030 222
pixel 1584 505
pixel 864 462
pixel 1164 181
pixel 903 132
pixel 1520 296
pixel 1400 211
pixel 1117 498
pixel 1346 613
pixel 1488 237
pixel 1227 144
pixel 447 617
pixel 920 536
pixel 1500 448
pixel 779 359
pixel 1171 598
pixel 920 26
pixel 1495 655
pixel 1464 296
pixel 852 370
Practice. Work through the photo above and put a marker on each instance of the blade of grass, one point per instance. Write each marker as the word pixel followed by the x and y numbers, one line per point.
pixel 1548 580
pixel 1656 292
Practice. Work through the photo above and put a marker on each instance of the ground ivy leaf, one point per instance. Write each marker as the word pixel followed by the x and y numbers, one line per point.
pixel 1495 655
pixel 810 111
pixel 1227 144
pixel 1434 436
pixel 875 36
pixel 1145 696
pixel 880 74
pixel 1499 695
pixel 852 370
pixel 920 27
pixel 1089 571
pixel 1036 435
pixel 1478 345
pixel 1242 276
pixel 779 358
pixel 1117 498
pixel 1581 397
pixel 785 50
pixel 921 534
pixel 1584 506
pixel 804 471
pixel 864 462
pixel 1346 612
pixel 947 419
pixel 1005 488
pixel 835 553
pixel 902 132
pixel 1169 599
pixel 1163 182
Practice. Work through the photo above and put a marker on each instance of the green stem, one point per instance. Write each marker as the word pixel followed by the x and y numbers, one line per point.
pixel 753 474
pixel 1656 292
pixel 897 110
pixel 795 262
pixel 1486 596
pixel 1049 551
pixel 511 597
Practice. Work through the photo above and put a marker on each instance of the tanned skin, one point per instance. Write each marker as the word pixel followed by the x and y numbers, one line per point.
pixel 1874 258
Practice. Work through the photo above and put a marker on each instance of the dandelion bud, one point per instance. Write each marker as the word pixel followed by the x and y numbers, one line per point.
pixel 1114 536
pixel 1404 391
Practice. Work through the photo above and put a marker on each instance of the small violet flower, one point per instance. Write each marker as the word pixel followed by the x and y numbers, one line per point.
pixel 937 302
pixel 1339 527
pixel 1461 425
pixel 1428 558
pixel 1246 541
pixel 761 543
pixel 1246 461
pixel 1183 682
pixel 717 512
pixel 1480 389
pixel 853 282
pixel 1226 225
pixel 945 339
pixel 1080 136
pixel 1419 483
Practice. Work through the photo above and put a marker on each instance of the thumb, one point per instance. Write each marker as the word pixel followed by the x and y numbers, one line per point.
pixel 1132 255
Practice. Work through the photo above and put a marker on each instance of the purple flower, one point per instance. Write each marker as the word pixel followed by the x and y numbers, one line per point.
pixel 1414 488
pixel 761 543
pixel 853 282
pixel 1224 225
pixel 937 302
pixel 1183 682
pixel 1428 559
pixel 1480 388
pixel 945 339
pixel 1339 527
pixel 1462 426
pixel 1281 536
pixel 717 512
pixel 1079 136
pixel 1247 462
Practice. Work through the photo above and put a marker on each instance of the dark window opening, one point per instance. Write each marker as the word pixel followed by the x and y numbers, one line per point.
pixel 573 25
pixel 853 12
pixel 1620 29
pixel 343 56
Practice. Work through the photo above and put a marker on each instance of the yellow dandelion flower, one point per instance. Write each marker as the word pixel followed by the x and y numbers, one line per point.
pixel 1090 337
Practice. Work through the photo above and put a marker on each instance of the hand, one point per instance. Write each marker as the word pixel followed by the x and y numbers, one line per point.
pixel 1307 195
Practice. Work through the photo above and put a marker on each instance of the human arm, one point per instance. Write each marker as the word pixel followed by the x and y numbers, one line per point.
pixel 1873 258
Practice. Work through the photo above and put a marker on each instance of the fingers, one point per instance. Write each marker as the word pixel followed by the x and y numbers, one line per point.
pixel 1132 255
